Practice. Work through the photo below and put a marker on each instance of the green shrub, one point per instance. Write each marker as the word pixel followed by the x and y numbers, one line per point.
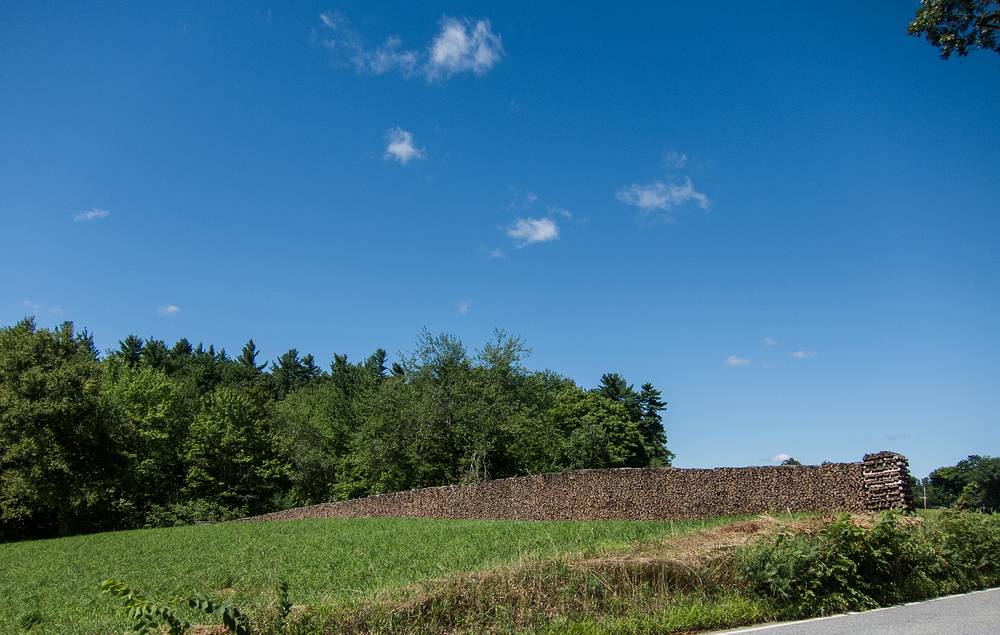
pixel 969 544
pixel 848 567
pixel 844 567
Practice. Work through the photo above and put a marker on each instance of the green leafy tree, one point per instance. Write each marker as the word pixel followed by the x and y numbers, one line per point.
pixel 972 483
pixel 956 27
pixel 597 430
pixel 314 428
pixel 57 459
pixel 231 455
pixel 150 416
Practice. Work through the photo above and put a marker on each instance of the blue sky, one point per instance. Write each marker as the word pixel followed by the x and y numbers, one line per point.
pixel 786 220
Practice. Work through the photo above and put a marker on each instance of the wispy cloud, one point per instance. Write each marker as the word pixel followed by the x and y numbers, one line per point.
pixel 350 48
pixel 91 215
pixel 521 199
pixel 803 354
pixel 170 309
pixel 400 146
pixel 663 196
pixel 533 230
pixel 676 160
pixel 463 306
pixel 768 342
pixel 34 307
pixel 733 361
pixel 556 210
pixel 461 45
pixel 780 457
pixel 495 252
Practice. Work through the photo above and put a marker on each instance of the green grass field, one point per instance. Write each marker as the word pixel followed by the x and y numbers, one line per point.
pixel 54 583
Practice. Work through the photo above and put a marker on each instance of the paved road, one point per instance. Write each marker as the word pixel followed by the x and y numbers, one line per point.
pixel 970 614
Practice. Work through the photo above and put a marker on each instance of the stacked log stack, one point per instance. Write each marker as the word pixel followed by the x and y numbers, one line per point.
pixel 880 481
pixel 887 481
pixel 618 494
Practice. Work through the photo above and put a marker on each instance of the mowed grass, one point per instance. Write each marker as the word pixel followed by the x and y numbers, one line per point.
pixel 53 584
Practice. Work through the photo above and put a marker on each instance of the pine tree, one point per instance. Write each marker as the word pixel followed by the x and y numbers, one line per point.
pixel 130 350
pixel 248 359
pixel 289 372
pixel 616 388
pixel 651 425
pixel 375 364
pixel 154 353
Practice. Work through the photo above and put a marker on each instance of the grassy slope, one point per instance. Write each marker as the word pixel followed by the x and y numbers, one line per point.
pixel 321 559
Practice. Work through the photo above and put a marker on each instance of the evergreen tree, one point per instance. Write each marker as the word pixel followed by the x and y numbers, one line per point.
pixel 180 356
pixel 130 350
pixel 290 372
pixel 651 426
pixel 154 354
pixel 614 387
pixel 248 359
pixel 375 364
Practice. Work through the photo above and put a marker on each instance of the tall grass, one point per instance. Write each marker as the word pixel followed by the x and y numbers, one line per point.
pixel 52 585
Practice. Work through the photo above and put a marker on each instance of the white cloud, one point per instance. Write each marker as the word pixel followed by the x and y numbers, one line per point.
pixel 662 196
pixel 675 160
pixel 803 354
pixel 733 361
pixel 31 305
pixel 400 147
pixel 463 306
pixel 460 45
pixel 533 230
pixel 170 309
pixel 496 252
pixel 94 214
pixel 768 342
pixel 780 457
pixel 463 46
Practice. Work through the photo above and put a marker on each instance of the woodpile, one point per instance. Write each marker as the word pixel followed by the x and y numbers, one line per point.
pixel 880 481
pixel 887 481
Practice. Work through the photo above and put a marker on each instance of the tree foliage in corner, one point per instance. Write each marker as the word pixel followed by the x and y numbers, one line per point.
pixel 956 27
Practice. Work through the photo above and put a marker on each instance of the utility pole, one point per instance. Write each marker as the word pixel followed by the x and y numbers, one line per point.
pixel 924 483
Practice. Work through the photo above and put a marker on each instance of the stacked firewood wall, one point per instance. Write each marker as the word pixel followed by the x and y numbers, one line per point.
pixel 887 481
pixel 880 481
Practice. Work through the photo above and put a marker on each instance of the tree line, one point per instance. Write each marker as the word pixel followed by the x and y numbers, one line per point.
pixel 150 435
pixel 973 483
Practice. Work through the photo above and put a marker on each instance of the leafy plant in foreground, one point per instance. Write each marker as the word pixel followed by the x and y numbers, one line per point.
pixel 148 617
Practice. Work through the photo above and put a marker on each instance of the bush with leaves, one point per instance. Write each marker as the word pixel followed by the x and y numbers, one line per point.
pixel 848 567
